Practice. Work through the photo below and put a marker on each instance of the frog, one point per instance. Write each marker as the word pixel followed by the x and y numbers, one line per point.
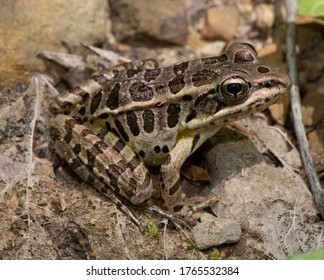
pixel 117 125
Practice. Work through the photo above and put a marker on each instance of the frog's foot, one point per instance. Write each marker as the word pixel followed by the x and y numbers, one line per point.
pixel 189 216
pixel 179 219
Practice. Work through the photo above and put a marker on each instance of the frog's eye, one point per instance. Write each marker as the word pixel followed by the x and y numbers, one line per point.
pixel 234 90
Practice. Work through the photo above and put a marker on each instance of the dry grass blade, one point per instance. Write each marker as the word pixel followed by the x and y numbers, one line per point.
pixel 310 171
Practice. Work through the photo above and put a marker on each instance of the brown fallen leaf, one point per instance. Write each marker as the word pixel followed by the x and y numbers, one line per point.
pixel 194 172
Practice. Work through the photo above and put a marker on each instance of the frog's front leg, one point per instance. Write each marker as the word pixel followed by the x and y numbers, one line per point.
pixel 170 171
pixel 108 161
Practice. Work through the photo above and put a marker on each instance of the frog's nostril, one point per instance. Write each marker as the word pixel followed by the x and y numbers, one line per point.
pixel 270 83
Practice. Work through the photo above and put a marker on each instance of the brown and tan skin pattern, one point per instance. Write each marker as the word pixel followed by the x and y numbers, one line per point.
pixel 123 121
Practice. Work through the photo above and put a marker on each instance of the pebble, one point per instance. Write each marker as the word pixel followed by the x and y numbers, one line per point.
pixel 149 21
pixel 213 231
pixel 264 16
pixel 221 23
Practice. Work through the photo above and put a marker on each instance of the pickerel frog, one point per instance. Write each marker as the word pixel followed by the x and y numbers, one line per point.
pixel 114 126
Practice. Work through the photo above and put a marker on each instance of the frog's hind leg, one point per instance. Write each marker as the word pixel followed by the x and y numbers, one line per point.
pixel 79 95
pixel 111 167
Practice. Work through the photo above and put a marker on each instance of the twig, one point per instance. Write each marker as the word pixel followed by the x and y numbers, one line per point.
pixel 310 171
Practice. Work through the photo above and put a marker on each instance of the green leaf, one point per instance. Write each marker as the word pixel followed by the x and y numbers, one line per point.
pixel 318 255
pixel 153 230
pixel 312 8
pixel 215 255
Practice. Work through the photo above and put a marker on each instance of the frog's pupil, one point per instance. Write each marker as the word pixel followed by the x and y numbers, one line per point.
pixel 234 88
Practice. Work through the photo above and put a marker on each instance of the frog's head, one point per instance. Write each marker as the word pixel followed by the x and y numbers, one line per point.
pixel 244 85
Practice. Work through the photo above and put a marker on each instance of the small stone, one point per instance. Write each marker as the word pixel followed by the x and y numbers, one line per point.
pixel 312 108
pixel 147 21
pixel 264 16
pixel 221 23
pixel 316 140
pixel 213 231
pixel 211 49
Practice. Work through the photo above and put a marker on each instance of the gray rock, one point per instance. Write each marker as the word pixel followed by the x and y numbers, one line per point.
pixel 213 231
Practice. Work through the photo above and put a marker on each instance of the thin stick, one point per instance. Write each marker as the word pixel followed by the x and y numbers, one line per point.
pixel 310 171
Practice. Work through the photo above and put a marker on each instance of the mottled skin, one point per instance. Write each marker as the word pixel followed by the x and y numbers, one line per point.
pixel 114 126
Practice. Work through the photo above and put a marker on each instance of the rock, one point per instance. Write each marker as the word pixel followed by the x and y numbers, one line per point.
pixel 213 231
pixel 264 17
pixel 316 140
pixel 30 27
pixel 142 20
pixel 264 197
pixel 221 23
pixel 211 49
pixel 312 108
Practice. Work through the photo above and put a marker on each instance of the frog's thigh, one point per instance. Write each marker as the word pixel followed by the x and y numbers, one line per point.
pixel 110 160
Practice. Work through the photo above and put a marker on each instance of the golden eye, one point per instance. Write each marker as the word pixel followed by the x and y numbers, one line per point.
pixel 234 90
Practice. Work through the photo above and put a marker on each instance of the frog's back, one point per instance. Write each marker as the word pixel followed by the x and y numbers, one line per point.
pixel 149 109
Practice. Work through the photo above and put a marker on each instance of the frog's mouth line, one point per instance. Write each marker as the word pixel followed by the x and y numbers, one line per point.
pixel 257 102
